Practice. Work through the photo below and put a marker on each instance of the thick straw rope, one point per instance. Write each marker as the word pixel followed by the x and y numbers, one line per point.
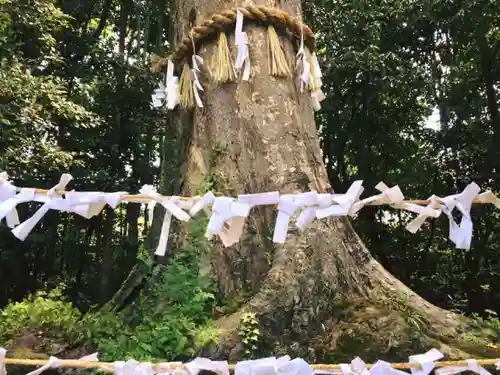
pixel 172 366
pixel 220 21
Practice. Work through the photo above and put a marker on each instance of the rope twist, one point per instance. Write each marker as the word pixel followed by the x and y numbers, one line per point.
pixel 221 21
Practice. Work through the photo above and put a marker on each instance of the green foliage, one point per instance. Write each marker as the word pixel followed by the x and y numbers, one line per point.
pixel 412 317
pixel 249 333
pixel 43 313
pixel 171 318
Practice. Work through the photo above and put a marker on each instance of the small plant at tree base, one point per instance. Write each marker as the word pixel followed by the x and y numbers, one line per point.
pixel 43 313
pixel 249 332
pixel 171 318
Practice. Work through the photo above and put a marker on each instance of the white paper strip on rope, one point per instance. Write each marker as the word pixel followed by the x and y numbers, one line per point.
pixel 196 62
pixel 3 352
pixel 227 214
pixel 427 362
pixel 303 65
pixel 269 366
pixel 242 64
pixel 52 363
pixel 472 366
pixel 167 94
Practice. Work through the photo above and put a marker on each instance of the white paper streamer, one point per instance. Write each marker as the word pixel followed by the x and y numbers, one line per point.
pixel 343 202
pixel 198 364
pixel 159 96
pixel 3 352
pixel 385 368
pixel 241 41
pixel 207 200
pixel 433 210
pixel 52 202
pixel 460 234
pixel 90 204
pixel 133 367
pixel 197 87
pixel 472 366
pixel 311 202
pixel 392 196
pixel 149 190
pixel 272 366
pixel 173 96
pixel 171 209
pixel 8 191
pixel 286 208
pixel 305 74
pixel 226 211
pixel 260 199
pixel 426 362
pixel 52 363
pixel 94 357
pixel 356 367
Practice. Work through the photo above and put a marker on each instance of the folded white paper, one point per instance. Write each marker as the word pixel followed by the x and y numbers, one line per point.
pixel 53 201
pixel 173 96
pixel 196 61
pixel 171 209
pixel 342 202
pixel 286 208
pixel 227 211
pixel 385 368
pixel 472 366
pixel 52 363
pixel 356 367
pixel 3 352
pixel 198 364
pixel 460 234
pixel 242 56
pixel 426 362
pixel 7 192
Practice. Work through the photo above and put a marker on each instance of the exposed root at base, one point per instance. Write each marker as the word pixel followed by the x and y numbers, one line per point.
pixel 369 330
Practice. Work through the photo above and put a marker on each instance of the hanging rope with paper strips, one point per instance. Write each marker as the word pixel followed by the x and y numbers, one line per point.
pixel 226 70
pixel 228 214
pixel 419 364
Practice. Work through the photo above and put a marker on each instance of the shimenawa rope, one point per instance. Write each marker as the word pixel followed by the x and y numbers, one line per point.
pixel 226 18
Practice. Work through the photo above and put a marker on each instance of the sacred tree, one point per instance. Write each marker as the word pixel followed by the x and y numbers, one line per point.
pixel 320 295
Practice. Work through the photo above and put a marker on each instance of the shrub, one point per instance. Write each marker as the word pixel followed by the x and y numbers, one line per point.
pixel 44 313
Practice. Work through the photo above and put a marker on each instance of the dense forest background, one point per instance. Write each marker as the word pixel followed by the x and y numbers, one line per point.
pixel 412 99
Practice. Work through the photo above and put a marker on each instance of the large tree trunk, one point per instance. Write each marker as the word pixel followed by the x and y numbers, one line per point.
pixel 321 295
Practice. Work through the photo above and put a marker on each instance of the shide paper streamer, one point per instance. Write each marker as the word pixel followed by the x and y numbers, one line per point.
pixel 420 364
pixel 227 215
pixel 242 63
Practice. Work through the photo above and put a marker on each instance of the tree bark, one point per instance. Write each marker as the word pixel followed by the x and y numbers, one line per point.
pixel 321 295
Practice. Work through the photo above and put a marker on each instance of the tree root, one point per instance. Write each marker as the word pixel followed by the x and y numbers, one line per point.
pixel 332 304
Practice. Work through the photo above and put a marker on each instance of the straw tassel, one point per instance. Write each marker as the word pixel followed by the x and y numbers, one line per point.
pixel 223 72
pixel 277 62
pixel 186 88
